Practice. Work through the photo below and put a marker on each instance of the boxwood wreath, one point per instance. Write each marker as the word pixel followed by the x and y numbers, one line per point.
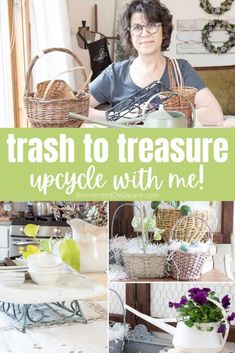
pixel 225 6
pixel 210 27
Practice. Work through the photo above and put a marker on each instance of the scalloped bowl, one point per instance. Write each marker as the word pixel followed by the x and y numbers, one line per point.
pixel 45 277
pixel 43 260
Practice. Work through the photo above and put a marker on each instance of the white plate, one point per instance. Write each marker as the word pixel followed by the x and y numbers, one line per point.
pixel 13 268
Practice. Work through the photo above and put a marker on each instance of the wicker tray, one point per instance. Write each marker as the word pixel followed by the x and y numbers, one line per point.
pixel 52 110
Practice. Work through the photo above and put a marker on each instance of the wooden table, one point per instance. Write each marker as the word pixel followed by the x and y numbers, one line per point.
pixel 211 276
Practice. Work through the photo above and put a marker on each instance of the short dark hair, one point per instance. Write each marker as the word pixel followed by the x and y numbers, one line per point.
pixel 154 11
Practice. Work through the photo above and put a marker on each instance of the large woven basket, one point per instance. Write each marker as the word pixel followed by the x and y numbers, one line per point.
pixel 141 265
pixel 179 102
pixel 185 94
pixel 51 104
pixel 187 266
pixel 192 229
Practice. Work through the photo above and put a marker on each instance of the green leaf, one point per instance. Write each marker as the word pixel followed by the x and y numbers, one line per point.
pixel 31 249
pixel 46 245
pixel 175 203
pixel 155 204
pixel 70 253
pixel 31 230
pixel 185 210
pixel 189 323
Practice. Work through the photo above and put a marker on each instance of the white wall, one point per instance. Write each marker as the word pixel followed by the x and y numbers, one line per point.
pixel 181 9
pixel 84 10
pixel 190 9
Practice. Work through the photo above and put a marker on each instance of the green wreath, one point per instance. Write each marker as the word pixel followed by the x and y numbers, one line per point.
pixel 210 27
pixel 225 6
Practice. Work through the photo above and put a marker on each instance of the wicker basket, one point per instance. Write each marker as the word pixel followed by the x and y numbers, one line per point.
pixel 144 265
pixel 188 266
pixel 141 265
pixel 52 110
pixel 117 345
pixel 185 95
pixel 192 229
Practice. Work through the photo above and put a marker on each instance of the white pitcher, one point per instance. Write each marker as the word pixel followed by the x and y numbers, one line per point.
pixel 93 245
pixel 191 340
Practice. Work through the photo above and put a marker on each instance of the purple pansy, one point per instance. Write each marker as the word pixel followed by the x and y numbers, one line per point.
pixel 182 302
pixel 200 298
pixel 221 328
pixel 225 301
pixel 231 317
pixel 193 291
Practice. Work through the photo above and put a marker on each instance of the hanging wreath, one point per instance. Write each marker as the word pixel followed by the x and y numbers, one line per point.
pixel 210 27
pixel 225 6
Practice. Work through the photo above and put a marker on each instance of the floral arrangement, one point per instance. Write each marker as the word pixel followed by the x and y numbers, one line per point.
pixel 67 249
pixel 91 212
pixel 225 6
pixel 199 309
pixel 210 27
pixel 151 231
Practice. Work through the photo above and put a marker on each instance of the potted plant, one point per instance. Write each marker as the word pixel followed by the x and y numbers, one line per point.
pixel 67 249
pixel 202 318
pixel 202 321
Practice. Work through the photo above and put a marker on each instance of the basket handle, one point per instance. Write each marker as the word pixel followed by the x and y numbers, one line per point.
pixel 46 51
pixel 175 79
pixel 188 216
pixel 142 222
pixel 170 94
pixel 65 71
pixel 224 339
pixel 122 305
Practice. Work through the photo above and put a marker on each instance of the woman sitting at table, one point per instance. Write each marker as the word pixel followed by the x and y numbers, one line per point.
pixel 147 26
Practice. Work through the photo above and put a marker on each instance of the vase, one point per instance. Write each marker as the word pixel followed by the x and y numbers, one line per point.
pixel 93 245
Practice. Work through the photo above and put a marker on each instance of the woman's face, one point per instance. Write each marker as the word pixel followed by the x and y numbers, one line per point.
pixel 145 43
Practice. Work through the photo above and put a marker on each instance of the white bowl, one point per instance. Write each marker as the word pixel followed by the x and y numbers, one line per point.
pixel 44 277
pixel 44 259
pixel 35 268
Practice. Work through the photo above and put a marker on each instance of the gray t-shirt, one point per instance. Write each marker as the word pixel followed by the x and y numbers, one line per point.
pixel 114 84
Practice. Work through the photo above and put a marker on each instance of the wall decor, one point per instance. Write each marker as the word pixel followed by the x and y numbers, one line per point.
pixel 208 8
pixel 218 24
